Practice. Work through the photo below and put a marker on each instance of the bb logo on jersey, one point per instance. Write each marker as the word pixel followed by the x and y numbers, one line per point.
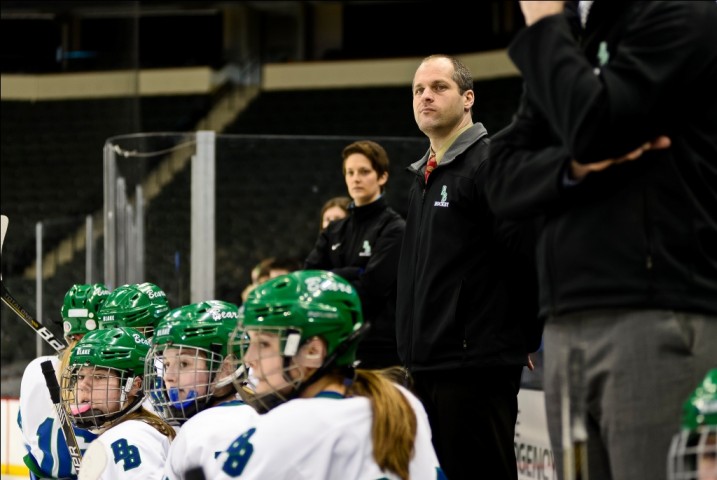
pixel 444 197
pixel 127 454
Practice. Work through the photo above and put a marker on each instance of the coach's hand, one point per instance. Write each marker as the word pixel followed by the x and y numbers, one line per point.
pixel 578 171
pixel 534 11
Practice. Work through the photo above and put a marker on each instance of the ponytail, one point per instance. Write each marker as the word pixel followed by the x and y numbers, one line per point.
pixel 394 422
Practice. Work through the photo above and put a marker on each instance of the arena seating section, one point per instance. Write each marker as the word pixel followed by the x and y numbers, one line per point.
pixel 52 172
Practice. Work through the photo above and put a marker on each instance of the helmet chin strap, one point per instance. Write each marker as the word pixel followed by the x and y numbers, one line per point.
pixel 177 402
pixel 87 420
pixel 330 360
pixel 190 402
pixel 274 399
pixel 127 388
pixel 230 378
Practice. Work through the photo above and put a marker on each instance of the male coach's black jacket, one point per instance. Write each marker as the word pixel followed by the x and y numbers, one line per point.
pixel 466 285
pixel 641 234
pixel 363 248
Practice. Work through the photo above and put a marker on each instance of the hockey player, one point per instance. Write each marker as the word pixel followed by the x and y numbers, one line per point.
pixel 102 392
pixel 298 336
pixel 190 369
pixel 47 455
pixel 693 453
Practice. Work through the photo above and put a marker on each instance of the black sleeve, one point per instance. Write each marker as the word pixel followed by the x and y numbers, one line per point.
pixel 519 239
pixel 607 105
pixel 318 258
pixel 526 166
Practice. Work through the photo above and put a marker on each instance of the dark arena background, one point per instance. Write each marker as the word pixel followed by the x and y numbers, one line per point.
pixel 107 106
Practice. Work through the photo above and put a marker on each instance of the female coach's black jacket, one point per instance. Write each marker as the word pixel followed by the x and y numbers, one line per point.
pixel 363 248
pixel 641 234
pixel 466 284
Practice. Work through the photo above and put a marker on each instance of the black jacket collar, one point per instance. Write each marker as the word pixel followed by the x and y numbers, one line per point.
pixel 367 211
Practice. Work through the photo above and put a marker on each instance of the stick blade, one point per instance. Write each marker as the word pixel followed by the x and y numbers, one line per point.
pixel 4 223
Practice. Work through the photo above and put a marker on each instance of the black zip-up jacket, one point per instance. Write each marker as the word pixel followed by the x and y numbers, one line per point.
pixel 466 284
pixel 364 248
pixel 641 234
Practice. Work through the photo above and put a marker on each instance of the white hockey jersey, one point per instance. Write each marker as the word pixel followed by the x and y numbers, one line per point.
pixel 41 431
pixel 132 449
pixel 324 437
pixel 204 435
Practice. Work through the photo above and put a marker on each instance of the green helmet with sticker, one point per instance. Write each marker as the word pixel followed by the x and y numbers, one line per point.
pixel 80 308
pixel 284 314
pixel 101 383
pixel 191 342
pixel 314 303
pixel 139 306
pixel 701 408
pixel 693 450
pixel 120 348
pixel 160 305
pixel 204 325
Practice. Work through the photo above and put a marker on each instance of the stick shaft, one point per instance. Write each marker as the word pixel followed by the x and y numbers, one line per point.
pixel 46 335
pixel 54 388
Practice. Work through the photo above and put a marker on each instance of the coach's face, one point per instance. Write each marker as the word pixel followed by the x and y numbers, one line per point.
pixel 438 105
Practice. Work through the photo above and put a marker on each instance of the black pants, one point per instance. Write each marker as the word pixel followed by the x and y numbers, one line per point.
pixel 472 413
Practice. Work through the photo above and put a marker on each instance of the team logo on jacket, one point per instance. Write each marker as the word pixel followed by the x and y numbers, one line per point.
pixel 603 53
pixel 444 197
pixel 366 249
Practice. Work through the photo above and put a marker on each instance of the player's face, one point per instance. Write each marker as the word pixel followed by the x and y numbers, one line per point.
pixel 265 362
pixel 707 460
pixel 362 181
pixel 707 468
pixel 99 389
pixel 186 369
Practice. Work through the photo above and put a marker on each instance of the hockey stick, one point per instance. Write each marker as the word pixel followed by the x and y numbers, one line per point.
pixel 46 335
pixel 3 230
pixel 54 387
pixel 13 304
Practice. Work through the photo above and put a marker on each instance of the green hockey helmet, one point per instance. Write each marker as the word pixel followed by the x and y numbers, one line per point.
pixel 701 408
pixel 138 306
pixel 204 325
pixel 312 303
pixel 196 337
pixel 80 308
pixel 296 308
pixel 120 348
pixel 693 452
pixel 158 299
pixel 98 384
